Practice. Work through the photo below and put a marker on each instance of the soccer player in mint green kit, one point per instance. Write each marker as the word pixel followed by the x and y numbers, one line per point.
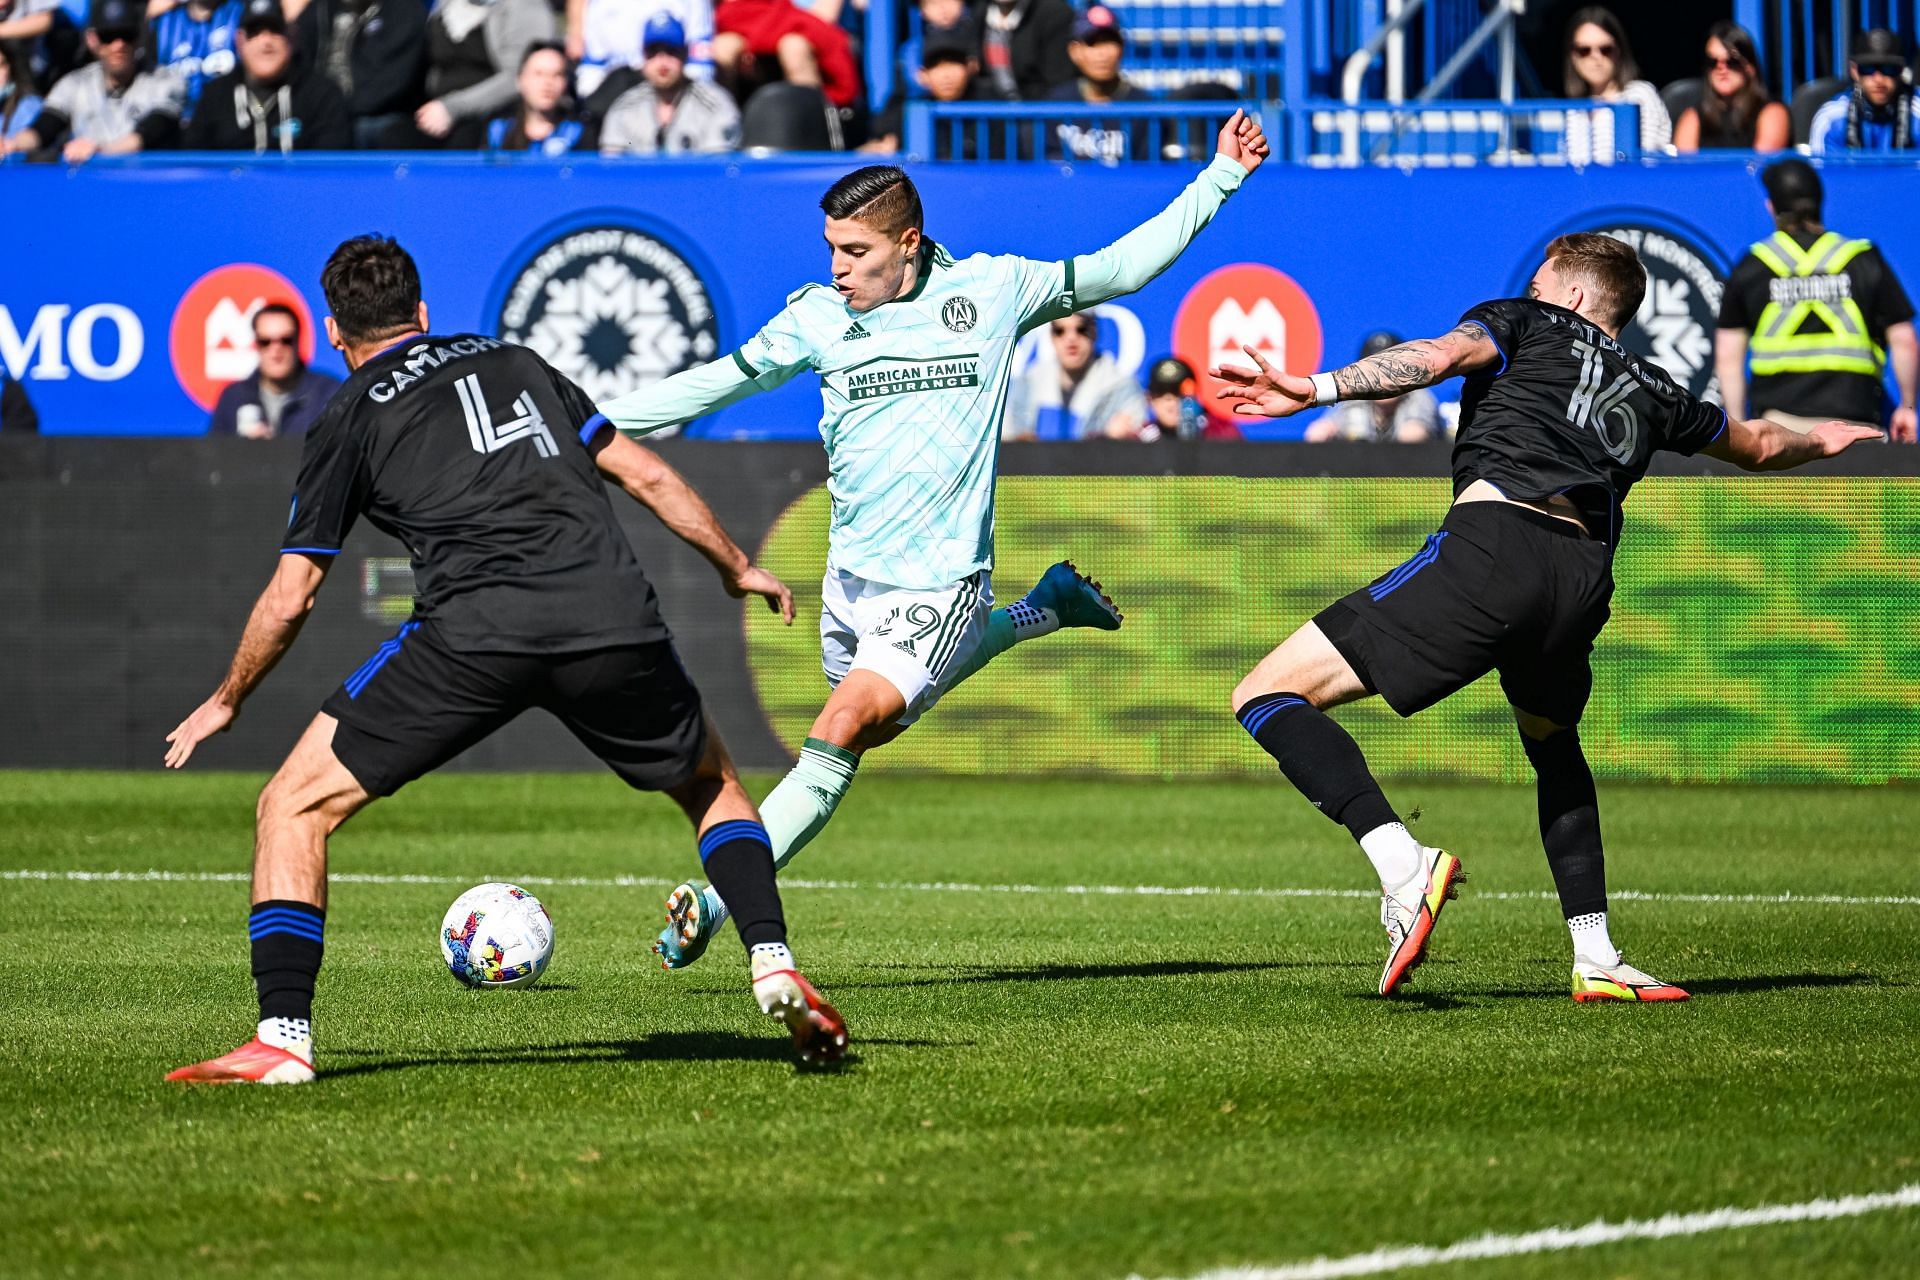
pixel 914 349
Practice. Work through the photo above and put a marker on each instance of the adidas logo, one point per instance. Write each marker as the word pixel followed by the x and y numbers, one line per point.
pixel 857 331
pixel 905 646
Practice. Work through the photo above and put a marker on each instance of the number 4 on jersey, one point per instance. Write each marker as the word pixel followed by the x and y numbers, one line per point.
pixel 491 437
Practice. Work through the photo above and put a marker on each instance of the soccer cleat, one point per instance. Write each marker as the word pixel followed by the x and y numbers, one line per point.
pixel 254 1062
pixel 1596 982
pixel 694 915
pixel 1409 926
pixel 1074 598
pixel 819 1032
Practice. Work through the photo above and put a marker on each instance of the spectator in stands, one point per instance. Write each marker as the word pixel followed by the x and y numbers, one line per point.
pixel 474 49
pixel 1173 411
pixel 16 411
pixel 607 37
pixel 942 22
pixel 49 31
pixel 669 111
pixel 194 41
pixel 546 122
pixel 267 103
pixel 1880 112
pixel 19 104
pixel 757 42
pixel 1022 46
pixel 1080 394
pixel 947 73
pixel 1413 418
pixel 374 52
pixel 1736 113
pixel 284 396
pixel 1097 48
pixel 1816 311
pixel 112 106
pixel 1600 67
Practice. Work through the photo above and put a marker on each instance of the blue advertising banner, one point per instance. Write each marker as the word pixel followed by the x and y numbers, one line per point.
pixel 126 291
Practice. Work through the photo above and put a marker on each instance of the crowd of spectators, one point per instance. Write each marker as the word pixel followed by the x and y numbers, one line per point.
pixel 85 77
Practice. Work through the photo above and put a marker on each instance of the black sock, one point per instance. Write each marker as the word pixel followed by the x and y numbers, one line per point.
pixel 287 944
pixel 739 861
pixel 1569 821
pixel 1320 759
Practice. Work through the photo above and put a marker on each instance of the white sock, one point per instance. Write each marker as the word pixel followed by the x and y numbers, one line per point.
pixel 768 957
pixel 295 1035
pixel 1030 621
pixel 1590 941
pixel 1397 857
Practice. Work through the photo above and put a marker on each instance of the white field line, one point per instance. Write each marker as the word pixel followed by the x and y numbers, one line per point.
pixel 1556 1239
pixel 955 886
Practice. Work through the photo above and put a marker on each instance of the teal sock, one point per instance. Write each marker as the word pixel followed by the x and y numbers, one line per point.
pixel 1001 636
pixel 798 809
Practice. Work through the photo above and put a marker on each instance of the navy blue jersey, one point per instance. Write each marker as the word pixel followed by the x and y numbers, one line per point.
pixel 1569 411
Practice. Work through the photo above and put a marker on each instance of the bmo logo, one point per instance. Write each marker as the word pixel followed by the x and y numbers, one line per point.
pixel 211 340
pixel 1246 305
pixel 102 342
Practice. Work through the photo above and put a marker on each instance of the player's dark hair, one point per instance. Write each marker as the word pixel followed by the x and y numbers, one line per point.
pixel 879 195
pixel 1624 66
pixel 277 309
pixel 1608 267
pixel 372 288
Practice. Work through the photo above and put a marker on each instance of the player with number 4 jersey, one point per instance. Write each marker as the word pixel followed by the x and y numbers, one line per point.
pixel 1557 423
pixel 914 349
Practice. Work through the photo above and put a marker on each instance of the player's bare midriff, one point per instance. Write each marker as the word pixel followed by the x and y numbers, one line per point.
pixel 1559 507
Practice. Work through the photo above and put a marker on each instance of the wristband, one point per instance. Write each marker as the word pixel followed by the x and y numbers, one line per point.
pixel 1324 392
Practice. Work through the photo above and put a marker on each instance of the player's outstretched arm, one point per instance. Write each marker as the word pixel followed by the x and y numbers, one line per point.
pixel 276 620
pixel 1759 445
pixel 690 394
pixel 1267 392
pixel 679 506
pixel 1132 261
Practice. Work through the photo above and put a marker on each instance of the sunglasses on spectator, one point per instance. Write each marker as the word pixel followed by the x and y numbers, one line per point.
pixel 118 37
pixel 1733 62
pixel 287 341
pixel 1595 50
pixel 1084 330
pixel 1879 69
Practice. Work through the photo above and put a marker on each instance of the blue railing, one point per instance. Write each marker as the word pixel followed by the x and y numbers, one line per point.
pixel 1070 132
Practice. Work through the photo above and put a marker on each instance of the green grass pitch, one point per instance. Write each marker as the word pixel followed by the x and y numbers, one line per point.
pixel 1045 1083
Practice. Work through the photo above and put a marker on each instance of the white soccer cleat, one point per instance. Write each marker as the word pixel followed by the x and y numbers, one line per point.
pixel 1409 918
pixel 1597 982
pixel 819 1032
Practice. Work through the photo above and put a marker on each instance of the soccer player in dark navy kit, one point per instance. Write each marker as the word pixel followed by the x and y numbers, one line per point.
pixel 1558 421
pixel 489 466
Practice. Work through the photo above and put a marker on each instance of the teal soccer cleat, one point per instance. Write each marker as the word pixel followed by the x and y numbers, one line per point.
pixel 694 915
pixel 1074 598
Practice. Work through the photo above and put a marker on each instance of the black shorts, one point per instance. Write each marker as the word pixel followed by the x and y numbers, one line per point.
pixel 416 704
pixel 1500 588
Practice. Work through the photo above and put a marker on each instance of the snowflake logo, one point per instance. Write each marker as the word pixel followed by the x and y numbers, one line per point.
pixel 613 308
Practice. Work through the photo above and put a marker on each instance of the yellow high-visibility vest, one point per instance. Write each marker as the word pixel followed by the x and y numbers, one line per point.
pixel 1817 288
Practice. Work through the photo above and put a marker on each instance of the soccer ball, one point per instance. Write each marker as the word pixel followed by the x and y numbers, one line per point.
pixel 497 935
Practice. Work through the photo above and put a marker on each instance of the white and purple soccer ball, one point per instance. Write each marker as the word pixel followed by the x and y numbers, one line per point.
pixel 497 935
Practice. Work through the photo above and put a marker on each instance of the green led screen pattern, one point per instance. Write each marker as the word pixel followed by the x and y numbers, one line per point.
pixel 1764 629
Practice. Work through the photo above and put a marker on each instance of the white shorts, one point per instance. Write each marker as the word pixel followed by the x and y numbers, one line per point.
pixel 910 638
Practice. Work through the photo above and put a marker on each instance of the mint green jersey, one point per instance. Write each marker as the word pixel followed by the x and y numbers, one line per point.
pixel 913 390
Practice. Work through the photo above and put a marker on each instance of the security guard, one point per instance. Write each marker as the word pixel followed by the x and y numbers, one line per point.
pixel 1820 315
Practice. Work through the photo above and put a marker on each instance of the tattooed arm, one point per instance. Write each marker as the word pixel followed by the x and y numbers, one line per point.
pixel 1269 393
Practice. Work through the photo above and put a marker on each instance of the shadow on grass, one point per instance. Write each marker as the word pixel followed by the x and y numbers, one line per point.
pixel 665 1046
pixel 1707 986
pixel 963 974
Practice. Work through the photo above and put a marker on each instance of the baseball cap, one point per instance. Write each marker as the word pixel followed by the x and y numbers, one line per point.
pixel 1377 341
pixel 1791 184
pixel 1169 374
pixel 1097 23
pixel 263 15
pixel 118 17
pixel 663 31
pixel 1877 47
pixel 944 49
